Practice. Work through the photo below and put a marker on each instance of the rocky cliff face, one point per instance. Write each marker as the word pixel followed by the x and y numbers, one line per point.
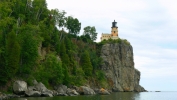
pixel 118 66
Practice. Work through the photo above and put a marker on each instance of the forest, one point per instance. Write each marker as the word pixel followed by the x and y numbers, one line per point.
pixel 26 27
pixel 46 45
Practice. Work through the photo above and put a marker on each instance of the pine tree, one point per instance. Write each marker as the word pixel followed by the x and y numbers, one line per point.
pixel 86 64
pixel 63 54
pixel 13 55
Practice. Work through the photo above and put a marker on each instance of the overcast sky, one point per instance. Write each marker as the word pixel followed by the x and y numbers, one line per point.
pixel 149 25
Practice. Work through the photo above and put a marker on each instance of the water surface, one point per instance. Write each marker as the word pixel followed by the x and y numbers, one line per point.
pixel 113 96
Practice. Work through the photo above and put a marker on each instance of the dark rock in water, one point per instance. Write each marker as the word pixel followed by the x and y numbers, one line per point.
pixel 19 87
pixel 118 66
pixel 83 90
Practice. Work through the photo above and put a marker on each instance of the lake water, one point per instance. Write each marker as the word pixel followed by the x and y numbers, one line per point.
pixel 114 96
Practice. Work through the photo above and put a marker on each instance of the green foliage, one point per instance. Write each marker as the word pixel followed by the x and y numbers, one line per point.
pixel 91 31
pixel 12 54
pixel 59 17
pixel 114 41
pixel 50 71
pixel 73 25
pixel 100 75
pixel 53 69
pixel 86 64
pixel 67 78
pixel 64 55
pixel 79 78
pixel 66 59
pixel 29 42
pixel 95 60
pixel 86 38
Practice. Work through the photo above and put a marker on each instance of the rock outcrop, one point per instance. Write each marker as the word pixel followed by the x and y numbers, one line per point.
pixel 83 90
pixel 61 89
pixel 103 92
pixel 39 89
pixel 19 87
pixel 72 92
pixel 118 65
pixel 30 93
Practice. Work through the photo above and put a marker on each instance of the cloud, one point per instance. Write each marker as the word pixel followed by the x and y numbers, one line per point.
pixel 170 5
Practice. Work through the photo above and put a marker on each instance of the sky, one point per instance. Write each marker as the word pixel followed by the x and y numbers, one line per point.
pixel 149 25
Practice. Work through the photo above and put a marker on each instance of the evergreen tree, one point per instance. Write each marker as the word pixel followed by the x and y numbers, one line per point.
pixel 13 55
pixel 63 54
pixel 86 64
pixel 66 79
pixel 29 42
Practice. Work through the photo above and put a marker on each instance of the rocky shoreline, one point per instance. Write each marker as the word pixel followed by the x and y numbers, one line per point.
pixel 38 89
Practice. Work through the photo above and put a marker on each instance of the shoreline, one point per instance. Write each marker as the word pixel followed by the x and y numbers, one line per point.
pixel 21 89
pixel 4 96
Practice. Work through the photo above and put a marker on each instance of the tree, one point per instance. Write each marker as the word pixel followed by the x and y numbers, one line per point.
pixel 86 64
pixel 91 31
pixel 29 41
pixel 40 11
pixel 64 55
pixel 13 54
pixel 67 78
pixel 53 69
pixel 58 17
pixel 73 25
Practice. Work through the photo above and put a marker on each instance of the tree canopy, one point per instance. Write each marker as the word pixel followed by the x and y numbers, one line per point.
pixel 33 46
pixel 73 25
pixel 91 31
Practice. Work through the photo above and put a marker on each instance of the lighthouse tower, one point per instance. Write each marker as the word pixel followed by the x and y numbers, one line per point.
pixel 114 30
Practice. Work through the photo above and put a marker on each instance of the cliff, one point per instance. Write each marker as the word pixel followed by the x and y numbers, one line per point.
pixel 118 65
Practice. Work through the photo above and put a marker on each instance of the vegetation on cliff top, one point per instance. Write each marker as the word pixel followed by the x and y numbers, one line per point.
pixel 26 26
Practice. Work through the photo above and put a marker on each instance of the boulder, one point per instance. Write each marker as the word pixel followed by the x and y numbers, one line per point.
pixel 61 89
pixel 47 94
pixel 71 92
pixel 40 87
pixel 3 96
pixel 103 92
pixel 30 93
pixel 83 90
pixel 32 88
pixel 19 87
pixel 55 93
